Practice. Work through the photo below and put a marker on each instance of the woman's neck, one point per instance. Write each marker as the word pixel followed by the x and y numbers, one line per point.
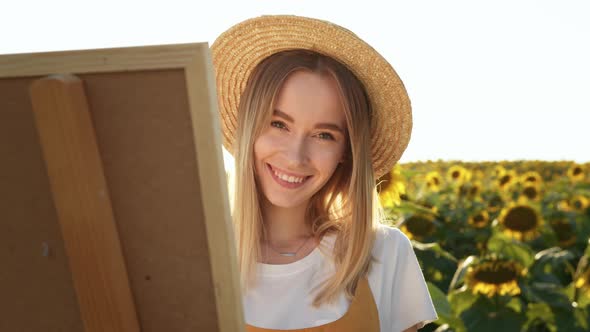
pixel 285 225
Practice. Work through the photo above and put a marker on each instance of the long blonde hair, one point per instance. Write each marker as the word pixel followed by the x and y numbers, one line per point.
pixel 347 205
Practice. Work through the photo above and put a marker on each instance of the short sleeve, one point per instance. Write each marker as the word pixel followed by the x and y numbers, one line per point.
pixel 397 282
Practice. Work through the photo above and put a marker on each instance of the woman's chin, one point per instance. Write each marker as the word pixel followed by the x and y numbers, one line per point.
pixel 287 202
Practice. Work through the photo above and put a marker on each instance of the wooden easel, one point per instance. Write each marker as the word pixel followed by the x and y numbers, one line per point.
pixel 83 204
pixel 113 196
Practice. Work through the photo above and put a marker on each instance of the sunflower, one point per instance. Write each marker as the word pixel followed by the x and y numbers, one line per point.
pixel 418 226
pixel 475 188
pixel 390 187
pixel 576 173
pixel 548 175
pixel 470 189
pixel 520 221
pixel 579 203
pixel 492 276
pixel 495 203
pixel 563 205
pixel 458 174
pixel 505 181
pixel 531 192
pixel 429 206
pixel 480 219
pixel 479 174
pixel 566 235
pixel 499 170
pixel 531 177
pixel 433 181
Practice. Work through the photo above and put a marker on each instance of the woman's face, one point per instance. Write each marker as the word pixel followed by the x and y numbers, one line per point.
pixel 304 141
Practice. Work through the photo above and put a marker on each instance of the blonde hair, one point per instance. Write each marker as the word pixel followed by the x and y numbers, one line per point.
pixel 347 205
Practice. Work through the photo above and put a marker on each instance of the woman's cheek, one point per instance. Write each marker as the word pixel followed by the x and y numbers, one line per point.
pixel 329 155
pixel 263 144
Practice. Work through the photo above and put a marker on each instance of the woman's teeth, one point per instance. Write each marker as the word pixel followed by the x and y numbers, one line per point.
pixel 291 179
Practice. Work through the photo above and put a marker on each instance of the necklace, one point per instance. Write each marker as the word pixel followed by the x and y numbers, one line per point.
pixel 289 253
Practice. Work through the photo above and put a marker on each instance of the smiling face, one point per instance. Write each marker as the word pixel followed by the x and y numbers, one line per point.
pixel 300 147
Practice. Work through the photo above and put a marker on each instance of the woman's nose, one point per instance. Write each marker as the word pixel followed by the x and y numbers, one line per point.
pixel 296 152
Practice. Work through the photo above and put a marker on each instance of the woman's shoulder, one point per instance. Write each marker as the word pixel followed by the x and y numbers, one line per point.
pixel 390 244
pixel 389 236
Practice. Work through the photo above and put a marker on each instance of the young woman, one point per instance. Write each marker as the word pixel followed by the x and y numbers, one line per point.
pixel 313 115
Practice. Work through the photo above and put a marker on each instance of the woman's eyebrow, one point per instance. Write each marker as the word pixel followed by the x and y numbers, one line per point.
pixel 328 126
pixel 283 115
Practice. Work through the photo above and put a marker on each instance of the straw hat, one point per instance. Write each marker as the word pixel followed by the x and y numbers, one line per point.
pixel 238 50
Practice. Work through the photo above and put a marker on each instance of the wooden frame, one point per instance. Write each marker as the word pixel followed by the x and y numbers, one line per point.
pixel 115 197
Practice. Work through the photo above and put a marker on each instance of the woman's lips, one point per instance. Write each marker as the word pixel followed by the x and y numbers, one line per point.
pixel 286 184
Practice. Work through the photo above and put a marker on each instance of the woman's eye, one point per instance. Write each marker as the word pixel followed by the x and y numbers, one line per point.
pixel 326 136
pixel 281 125
pixel 278 124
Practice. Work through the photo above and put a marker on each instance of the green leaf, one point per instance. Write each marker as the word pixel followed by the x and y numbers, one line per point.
pixel 442 305
pixel 461 300
pixel 583 299
pixel 435 247
pixel 570 319
pixel 581 318
pixel 515 304
pixel 553 266
pixel 444 309
pixel 408 207
pixel 484 316
pixel 511 249
pixel 540 314
pixel 552 294
pixel 438 265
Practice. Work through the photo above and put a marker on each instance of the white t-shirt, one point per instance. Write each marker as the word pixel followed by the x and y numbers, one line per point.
pixel 282 299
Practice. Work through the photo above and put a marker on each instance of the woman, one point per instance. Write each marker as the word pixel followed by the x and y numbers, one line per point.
pixel 313 115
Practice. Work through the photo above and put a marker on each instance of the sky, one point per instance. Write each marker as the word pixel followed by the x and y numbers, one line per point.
pixel 488 80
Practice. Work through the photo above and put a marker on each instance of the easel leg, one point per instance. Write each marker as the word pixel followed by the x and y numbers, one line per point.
pixel 83 205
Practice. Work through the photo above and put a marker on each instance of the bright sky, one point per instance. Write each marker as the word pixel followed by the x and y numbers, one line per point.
pixel 493 80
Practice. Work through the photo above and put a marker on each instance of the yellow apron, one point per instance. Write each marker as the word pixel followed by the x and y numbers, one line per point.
pixel 362 315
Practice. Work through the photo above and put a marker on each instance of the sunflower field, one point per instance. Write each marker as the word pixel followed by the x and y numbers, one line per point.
pixel 502 245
